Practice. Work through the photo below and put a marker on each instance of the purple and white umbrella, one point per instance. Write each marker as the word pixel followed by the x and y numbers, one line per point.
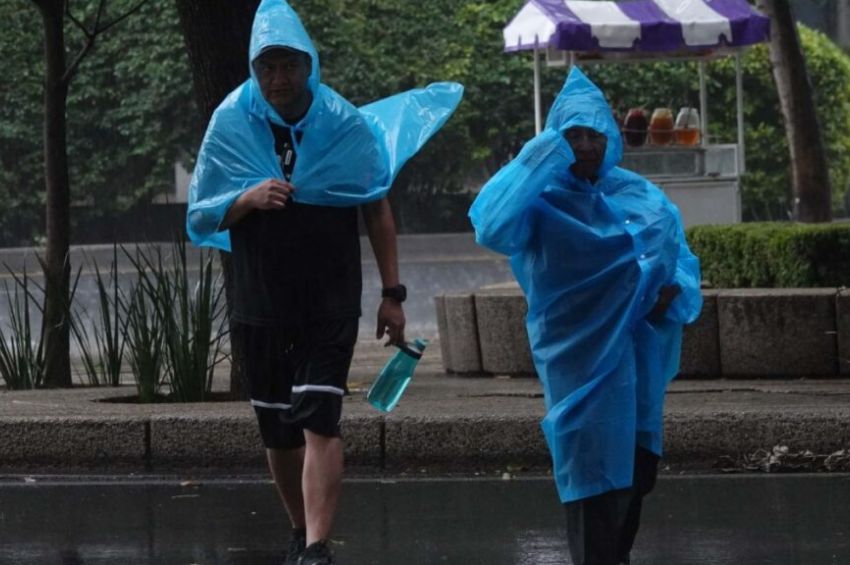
pixel 639 25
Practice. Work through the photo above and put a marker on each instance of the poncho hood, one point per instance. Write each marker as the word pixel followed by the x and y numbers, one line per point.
pixel 346 156
pixel 276 25
pixel 581 104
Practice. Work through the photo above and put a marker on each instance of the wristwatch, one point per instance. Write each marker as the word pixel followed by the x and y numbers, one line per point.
pixel 397 293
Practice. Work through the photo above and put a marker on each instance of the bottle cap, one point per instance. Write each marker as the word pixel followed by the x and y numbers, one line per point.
pixel 414 349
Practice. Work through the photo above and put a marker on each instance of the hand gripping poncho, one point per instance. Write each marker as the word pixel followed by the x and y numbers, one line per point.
pixel 347 156
pixel 591 259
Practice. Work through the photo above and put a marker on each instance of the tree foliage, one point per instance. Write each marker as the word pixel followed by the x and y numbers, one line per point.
pixel 384 46
pixel 766 185
pixel 130 116
pixel 21 159
pixel 131 111
pixel 381 48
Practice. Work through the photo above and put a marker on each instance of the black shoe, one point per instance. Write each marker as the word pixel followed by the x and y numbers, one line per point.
pixel 297 543
pixel 317 553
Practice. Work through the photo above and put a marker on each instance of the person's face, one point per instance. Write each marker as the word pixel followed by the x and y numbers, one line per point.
pixel 283 74
pixel 588 145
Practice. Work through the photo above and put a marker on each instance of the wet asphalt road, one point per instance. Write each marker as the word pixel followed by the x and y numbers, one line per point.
pixel 735 520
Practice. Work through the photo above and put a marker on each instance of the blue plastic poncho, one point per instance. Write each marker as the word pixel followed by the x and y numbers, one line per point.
pixel 591 259
pixel 350 156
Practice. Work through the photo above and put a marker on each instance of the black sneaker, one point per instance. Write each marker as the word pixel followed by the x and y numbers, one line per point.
pixel 297 543
pixel 317 553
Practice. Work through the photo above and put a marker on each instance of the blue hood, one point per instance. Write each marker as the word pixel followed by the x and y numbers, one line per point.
pixel 277 25
pixel 581 104
pixel 345 156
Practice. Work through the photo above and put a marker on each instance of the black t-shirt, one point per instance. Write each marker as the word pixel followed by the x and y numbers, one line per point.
pixel 298 264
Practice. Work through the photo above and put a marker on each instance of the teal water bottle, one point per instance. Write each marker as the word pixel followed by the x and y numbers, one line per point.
pixel 395 376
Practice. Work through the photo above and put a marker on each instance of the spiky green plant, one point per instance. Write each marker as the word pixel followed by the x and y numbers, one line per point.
pixel 145 322
pixel 192 318
pixel 194 328
pixel 21 351
pixel 102 347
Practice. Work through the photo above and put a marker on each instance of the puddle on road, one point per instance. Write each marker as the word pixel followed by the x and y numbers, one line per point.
pixel 781 520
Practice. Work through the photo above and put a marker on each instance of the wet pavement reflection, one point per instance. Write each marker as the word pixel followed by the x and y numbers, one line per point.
pixel 763 520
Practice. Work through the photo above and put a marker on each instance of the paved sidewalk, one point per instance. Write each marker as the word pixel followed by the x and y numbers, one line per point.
pixel 444 423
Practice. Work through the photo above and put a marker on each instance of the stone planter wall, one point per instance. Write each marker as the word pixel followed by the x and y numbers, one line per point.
pixel 743 333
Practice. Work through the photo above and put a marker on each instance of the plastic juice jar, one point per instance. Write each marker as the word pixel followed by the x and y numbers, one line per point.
pixel 661 127
pixel 687 127
pixel 635 127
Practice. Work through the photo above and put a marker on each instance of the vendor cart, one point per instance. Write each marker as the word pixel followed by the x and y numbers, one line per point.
pixel 702 178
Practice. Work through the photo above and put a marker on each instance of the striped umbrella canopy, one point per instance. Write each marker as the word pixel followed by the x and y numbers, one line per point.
pixel 649 26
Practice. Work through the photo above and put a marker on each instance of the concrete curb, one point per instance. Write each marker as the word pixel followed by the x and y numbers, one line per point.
pixel 443 423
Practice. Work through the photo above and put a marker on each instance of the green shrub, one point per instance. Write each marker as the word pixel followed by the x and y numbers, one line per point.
pixel 773 255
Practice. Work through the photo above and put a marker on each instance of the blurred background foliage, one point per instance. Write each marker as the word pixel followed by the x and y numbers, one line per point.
pixel 132 115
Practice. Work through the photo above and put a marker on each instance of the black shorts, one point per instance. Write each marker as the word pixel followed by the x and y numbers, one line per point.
pixel 297 378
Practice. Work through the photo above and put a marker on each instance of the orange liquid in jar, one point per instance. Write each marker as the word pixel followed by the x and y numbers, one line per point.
pixel 661 127
pixel 687 136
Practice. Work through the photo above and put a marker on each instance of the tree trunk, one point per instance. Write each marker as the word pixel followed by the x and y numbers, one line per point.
pixel 56 265
pixel 217 34
pixel 809 173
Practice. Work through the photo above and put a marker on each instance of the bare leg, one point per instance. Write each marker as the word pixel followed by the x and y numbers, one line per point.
pixel 287 466
pixel 323 464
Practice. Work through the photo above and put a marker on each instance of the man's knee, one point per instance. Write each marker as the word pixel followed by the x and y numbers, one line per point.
pixel 314 439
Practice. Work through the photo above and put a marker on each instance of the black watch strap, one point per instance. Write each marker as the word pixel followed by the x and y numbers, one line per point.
pixel 397 293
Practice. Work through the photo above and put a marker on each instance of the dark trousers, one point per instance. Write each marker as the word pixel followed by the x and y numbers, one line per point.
pixel 601 529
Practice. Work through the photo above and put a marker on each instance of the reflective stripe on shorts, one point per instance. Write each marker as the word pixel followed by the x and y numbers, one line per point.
pixel 318 388
pixel 270 405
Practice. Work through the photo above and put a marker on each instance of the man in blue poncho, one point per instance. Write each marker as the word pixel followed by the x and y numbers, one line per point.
pixel 283 168
pixel 601 257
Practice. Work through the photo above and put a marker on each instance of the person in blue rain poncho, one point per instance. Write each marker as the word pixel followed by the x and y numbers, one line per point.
pixel 285 164
pixel 601 257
